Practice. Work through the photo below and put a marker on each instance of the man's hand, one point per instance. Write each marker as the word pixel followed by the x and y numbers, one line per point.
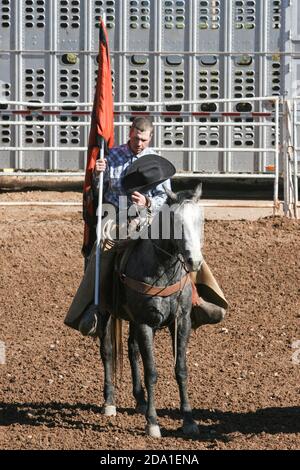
pixel 100 165
pixel 139 199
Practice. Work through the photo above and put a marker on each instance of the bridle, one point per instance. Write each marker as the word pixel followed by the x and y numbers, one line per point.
pixel 158 291
pixel 178 258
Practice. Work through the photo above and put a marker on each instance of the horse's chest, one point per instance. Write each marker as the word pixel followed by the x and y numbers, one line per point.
pixel 154 311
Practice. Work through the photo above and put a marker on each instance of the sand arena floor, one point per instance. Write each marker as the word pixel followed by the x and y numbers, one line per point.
pixel 244 374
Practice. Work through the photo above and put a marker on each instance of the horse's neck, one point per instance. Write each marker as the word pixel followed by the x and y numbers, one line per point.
pixel 165 255
pixel 165 248
pixel 154 261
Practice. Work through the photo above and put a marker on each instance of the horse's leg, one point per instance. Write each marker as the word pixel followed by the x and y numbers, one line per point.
pixel 144 336
pixel 183 332
pixel 137 389
pixel 109 407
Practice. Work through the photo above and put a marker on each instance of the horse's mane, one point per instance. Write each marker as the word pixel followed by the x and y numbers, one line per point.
pixel 183 195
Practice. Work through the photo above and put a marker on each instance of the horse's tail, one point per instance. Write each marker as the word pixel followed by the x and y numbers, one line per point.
pixel 117 348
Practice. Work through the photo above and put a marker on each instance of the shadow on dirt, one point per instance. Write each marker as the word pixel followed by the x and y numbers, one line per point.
pixel 213 424
pixel 219 424
pixel 53 414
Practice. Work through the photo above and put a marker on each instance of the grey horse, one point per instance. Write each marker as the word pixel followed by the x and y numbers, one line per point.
pixel 163 261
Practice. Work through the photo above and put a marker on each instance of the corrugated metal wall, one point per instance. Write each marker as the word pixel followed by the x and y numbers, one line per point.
pixel 162 50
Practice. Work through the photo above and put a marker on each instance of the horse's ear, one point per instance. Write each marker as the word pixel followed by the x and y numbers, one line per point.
pixel 170 194
pixel 198 192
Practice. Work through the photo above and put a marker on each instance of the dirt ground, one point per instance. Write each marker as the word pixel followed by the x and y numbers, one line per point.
pixel 244 374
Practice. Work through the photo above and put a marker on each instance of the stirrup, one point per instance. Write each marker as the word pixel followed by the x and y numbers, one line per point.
pixel 90 323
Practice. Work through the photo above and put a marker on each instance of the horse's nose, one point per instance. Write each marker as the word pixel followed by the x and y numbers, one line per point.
pixel 194 264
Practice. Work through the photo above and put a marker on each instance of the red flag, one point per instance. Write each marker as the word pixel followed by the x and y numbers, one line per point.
pixel 102 125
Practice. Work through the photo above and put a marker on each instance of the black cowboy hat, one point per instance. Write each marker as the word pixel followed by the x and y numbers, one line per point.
pixel 146 172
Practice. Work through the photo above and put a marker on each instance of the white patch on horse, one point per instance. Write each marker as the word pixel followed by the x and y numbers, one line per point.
pixel 192 221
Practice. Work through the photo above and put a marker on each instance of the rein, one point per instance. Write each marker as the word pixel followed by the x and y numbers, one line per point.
pixel 157 291
pixel 170 255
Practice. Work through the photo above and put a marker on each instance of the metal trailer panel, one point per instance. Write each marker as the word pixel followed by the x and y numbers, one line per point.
pixel 7 132
pixel 52 57
pixel 292 78
pixel 7 89
pixel 210 83
pixel 176 72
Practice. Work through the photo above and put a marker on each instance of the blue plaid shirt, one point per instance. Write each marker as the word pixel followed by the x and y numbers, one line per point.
pixel 118 159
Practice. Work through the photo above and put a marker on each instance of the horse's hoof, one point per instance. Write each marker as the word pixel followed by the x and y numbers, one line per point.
pixel 109 410
pixel 141 408
pixel 153 430
pixel 191 429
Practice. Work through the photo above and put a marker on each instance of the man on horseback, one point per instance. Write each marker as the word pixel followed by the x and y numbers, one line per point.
pixel 114 168
pixel 209 304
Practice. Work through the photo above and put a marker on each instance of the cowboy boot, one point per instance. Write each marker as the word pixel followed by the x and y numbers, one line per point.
pixel 203 312
pixel 90 323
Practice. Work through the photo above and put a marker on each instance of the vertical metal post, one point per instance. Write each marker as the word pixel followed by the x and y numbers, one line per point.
pixel 123 68
pixel 86 72
pixel 265 16
pixel 156 78
pixel 291 158
pixel 286 204
pixel 296 198
pixel 227 133
pixel 277 150
pixel 286 137
pixel 19 34
pixel 192 63
pixel 53 131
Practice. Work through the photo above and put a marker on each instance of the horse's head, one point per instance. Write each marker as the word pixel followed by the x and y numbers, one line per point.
pixel 188 223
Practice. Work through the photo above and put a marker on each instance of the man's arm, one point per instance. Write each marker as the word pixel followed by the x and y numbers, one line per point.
pixel 101 166
pixel 158 196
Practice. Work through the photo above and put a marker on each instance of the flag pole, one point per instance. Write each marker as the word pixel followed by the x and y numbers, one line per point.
pixel 98 229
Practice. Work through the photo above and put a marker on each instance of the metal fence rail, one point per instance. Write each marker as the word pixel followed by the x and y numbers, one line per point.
pixel 201 121
pixel 188 119
pixel 211 73
pixel 188 54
